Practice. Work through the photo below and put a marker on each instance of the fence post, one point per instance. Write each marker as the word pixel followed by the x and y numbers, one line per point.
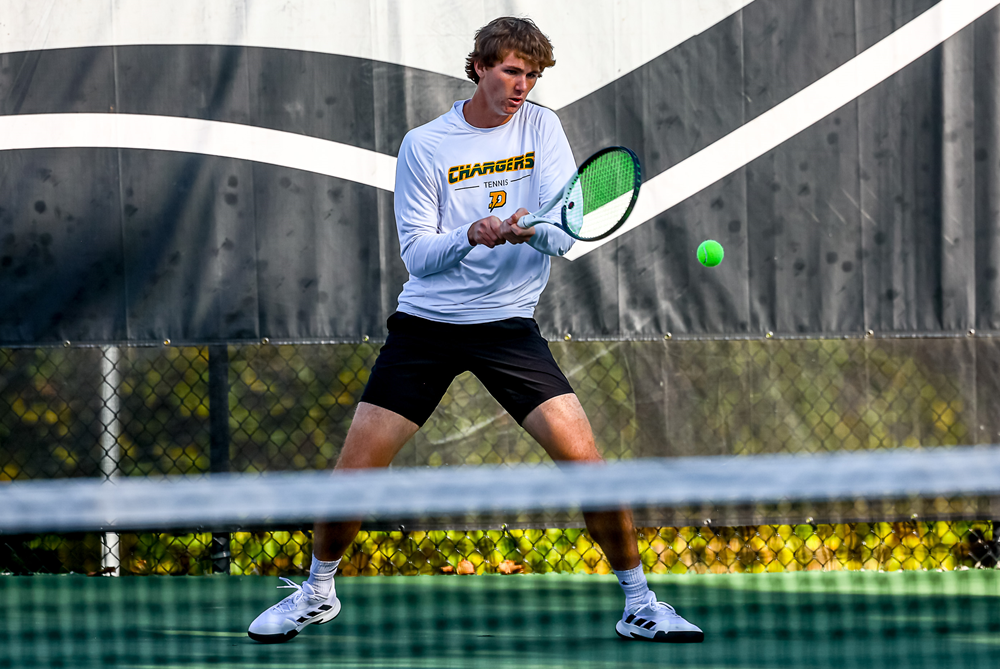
pixel 218 406
pixel 110 450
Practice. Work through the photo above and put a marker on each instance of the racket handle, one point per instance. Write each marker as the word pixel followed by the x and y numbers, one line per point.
pixel 528 220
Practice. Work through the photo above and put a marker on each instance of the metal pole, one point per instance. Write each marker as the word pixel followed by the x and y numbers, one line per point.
pixel 111 452
pixel 218 408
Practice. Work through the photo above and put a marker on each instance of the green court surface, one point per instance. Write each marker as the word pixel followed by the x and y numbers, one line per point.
pixel 842 620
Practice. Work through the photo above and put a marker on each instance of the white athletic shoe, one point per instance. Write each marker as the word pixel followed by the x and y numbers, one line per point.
pixel 285 619
pixel 656 621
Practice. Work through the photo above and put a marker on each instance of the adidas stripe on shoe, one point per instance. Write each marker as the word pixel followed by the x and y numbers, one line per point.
pixel 285 619
pixel 657 621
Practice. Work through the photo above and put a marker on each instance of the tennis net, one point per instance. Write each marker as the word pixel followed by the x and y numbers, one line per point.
pixel 883 557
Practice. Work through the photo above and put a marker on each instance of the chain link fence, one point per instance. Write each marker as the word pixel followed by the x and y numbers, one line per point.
pixel 882 546
pixel 152 411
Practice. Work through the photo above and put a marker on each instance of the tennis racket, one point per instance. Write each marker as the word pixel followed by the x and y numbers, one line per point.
pixel 598 198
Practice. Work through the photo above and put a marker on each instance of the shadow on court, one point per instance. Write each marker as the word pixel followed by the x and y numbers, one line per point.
pixel 836 620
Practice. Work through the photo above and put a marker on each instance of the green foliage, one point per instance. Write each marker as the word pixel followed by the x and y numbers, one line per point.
pixel 765 548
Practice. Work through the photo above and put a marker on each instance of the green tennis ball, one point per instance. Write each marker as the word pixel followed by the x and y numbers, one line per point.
pixel 710 253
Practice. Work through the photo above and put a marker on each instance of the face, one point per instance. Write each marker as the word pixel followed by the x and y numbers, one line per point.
pixel 505 86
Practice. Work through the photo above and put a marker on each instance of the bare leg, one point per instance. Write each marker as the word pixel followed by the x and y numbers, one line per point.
pixel 374 438
pixel 561 427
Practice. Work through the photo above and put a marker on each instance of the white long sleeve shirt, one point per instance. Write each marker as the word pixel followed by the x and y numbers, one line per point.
pixel 448 176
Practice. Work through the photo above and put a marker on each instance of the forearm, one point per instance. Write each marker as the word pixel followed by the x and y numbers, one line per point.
pixel 429 254
pixel 550 240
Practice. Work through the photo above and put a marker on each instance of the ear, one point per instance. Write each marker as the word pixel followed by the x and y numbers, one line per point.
pixel 478 66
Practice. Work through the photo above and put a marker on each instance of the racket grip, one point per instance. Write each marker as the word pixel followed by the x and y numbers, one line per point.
pixel 528 220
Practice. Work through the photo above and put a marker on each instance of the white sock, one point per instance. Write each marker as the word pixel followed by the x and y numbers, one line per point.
pixel 321 576
pixel 633 582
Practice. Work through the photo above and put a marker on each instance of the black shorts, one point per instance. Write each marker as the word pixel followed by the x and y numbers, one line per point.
pixel 421 358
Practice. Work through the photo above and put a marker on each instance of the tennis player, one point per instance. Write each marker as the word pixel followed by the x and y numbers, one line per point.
pixel 462 182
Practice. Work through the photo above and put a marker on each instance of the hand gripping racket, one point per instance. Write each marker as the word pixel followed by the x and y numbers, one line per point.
pixel 598 198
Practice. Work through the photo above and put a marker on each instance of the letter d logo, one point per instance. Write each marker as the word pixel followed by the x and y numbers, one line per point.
pixel 498 198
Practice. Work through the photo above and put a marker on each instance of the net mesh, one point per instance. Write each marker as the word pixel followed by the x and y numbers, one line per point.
pixel 507 597
pixel 905 580
pixel 817 619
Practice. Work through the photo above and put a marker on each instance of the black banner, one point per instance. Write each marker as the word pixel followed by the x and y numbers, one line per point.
pixel 881 215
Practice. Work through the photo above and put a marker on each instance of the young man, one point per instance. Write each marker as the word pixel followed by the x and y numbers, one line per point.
pixel 474 282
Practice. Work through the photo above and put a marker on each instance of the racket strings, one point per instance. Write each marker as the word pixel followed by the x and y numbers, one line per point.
pixel 606 187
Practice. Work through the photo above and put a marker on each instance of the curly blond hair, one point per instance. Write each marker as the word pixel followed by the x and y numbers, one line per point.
pixel 505 35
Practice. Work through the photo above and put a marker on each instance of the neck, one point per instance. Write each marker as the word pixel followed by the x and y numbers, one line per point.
pixel 479 115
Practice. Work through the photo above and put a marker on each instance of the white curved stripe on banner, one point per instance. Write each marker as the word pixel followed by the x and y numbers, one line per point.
pixel 808 106
pixel 595 42
pixel 214 138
